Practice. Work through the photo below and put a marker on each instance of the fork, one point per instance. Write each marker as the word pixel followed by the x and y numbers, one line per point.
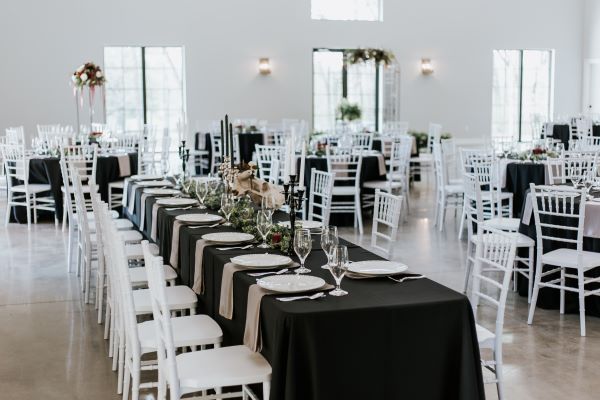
pixel 407 278
pixel 281 271
pixel 178 208
pixel 235 247
pixel 205 226
pixel 313 297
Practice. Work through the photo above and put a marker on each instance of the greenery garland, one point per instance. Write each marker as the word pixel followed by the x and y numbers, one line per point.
pixel 380 56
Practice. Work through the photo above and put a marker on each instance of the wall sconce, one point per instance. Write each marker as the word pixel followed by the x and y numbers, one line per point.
pixel 426 66
pixel 264 66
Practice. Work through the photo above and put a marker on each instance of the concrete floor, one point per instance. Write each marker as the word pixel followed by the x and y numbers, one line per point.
pixel 52 348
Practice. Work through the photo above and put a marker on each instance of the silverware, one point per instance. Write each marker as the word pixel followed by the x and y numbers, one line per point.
pixel 407 278
pixel 235 247
pixel 179 208
pixel 313 297
pixel 282 271
pixel 205 226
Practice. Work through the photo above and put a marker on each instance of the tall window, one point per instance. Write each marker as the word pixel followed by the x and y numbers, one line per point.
pixel 347 10
pixel 522 93
pixel 144 85
pixel 334 79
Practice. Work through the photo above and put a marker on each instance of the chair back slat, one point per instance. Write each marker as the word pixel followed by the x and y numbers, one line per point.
pixel 386 218
pixel 321 187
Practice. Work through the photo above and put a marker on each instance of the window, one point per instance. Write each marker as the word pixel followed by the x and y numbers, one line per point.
pixel 521 93
pixel 347 10
pixel 334 79
pixel 144 85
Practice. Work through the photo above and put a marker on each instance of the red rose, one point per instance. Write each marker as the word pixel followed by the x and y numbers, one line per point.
pixel 276 238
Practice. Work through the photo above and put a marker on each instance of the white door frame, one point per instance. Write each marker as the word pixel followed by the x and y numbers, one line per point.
pixel 585 93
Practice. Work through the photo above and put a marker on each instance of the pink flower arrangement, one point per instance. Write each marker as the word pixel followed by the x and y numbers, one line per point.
pixel 89 74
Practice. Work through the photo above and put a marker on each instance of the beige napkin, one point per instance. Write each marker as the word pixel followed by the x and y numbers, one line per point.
pixel 381 159
pixel 125 187
pixel 131 200
pixel 198 286
pixel 252 334
pixel 124 166
pixel 143 210
pixel 226 301
pixel 591 223
pixel 153 228
pixel 174 260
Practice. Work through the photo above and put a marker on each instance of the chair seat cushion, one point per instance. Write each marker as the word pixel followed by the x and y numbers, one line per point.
pixel 503 224
pixel 131 236
pixel 522 240
pixel 192 330
pixel 138 275
pixel 568 258
pixel 485 337
pixel 135 251
pixel 344 191
pixel 178 298
pixel 382 185
pixel 226 366
pixel 32 188
pixel 454 189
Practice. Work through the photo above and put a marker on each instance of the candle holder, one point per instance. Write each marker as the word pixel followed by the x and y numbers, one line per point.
pixel 184 155
pixel 294 199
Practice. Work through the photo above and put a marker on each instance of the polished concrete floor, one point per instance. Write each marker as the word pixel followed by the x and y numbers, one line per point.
pixel 52 348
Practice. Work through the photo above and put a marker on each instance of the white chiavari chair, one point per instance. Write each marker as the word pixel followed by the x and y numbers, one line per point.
pixel 581 127
pixel 386 218
pixel 216 149
pixel 83 159
pixel 494 258
pixel 201 370
pixel 320 195
pixel 479 218
pixel 448 195
pixel 574 167
pixel 423 164
pixel 20 191
pixel 269 161
pixel 15 135
pixel 451 160
pixel 125 143
pixel 191 331
pixel 362 141
pixel 559 214
pixel 346 169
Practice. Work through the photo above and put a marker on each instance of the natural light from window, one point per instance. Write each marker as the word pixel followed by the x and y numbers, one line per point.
pixel 347 10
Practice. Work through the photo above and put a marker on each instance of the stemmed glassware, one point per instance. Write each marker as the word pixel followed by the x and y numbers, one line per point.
pixel 338 268
pixel 264 224
pixel 329 239
pixel 201 193
pixel 164 165
pixel 302 247
pixel 227 205
pixel 268 204
pixel 575 175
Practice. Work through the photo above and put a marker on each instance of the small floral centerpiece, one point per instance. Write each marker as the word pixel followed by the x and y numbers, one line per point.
pixel 88 74
pixel 349 111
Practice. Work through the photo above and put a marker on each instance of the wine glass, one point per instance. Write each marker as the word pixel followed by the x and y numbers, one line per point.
pixel 201 193
pixel 267 203
pixel 227 207
pixel 302 247
pixel 186 184
pixel 574 175
pixel 164 165
pixel 338 268
pixel 264 223
pixel 329 239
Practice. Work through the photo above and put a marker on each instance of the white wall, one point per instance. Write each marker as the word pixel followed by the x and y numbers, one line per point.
pixel 42 42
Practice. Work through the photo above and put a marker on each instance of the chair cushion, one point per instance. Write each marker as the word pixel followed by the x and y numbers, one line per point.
pixel 568 258
pixel 192 330
pixel 135 251
pixel 32 188
pixel 344 190
pixel 503 224
pixel 178 298
pixel 138 275
pixel 131 236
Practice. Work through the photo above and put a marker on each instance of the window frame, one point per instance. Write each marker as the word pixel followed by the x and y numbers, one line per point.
pixel 379 15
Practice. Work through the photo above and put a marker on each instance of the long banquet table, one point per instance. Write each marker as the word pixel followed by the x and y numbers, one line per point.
pixel 385 340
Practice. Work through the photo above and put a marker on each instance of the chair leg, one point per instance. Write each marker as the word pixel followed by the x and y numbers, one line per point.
pixel 134 387
pixel 35 217
pixel 126 383
pixel 536 289
pixel 463 217
pixel 64 217
pixel 107 324
pixel 266 390
pixel 69 249
pixel 8 208
pixel 442 215
pixel 562 290
pixel 530 276
pixel 468 267
pixel 28 211
pixel 499 373
pixel 581 293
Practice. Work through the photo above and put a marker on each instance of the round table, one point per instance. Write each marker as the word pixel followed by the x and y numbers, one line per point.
pixel 46 170
pixel 518 177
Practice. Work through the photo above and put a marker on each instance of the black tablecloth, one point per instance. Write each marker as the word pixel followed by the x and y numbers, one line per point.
pixel 382 341
pixel 247 143
pixel 518 178
pixel 549 298
pixel 47 171
pixel 561 132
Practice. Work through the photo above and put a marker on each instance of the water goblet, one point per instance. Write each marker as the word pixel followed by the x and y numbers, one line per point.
pixel 302 247
pixel 201 193
pixel 264 224
pixel 329 239
pixel 227 205
pixel 338 268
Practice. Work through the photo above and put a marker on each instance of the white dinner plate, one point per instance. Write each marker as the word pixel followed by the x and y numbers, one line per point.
pixel 155 183
pixel 145 177
pixel 228 237
pixel 176 202
pixel 377 267
pixel 261 260
pixel 305 224
pixel 291 283
pixel 161 192
pixel 199 218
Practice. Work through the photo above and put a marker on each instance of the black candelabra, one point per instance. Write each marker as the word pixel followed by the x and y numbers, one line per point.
pixel 184 155
pixel 293 198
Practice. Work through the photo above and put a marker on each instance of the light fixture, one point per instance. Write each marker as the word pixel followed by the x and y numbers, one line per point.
pixel 426 66
pixel 264 66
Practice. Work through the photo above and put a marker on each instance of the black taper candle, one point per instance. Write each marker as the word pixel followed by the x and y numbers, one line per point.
pixel 227 144
pixel 231 143
pixel 222 141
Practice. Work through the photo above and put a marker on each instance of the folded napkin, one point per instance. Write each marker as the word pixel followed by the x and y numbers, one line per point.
pixel 198 286
pixel 155 208
pixel 125 188
pixel 174 260
pixel 252 334
pixel 131 200
pixel 143 210
pixel 381 159
pixel 124 166
pixel 226 302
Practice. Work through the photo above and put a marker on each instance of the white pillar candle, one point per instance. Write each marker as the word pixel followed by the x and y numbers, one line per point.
pixel 292 154
pixel 286 163
pixel 302 162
